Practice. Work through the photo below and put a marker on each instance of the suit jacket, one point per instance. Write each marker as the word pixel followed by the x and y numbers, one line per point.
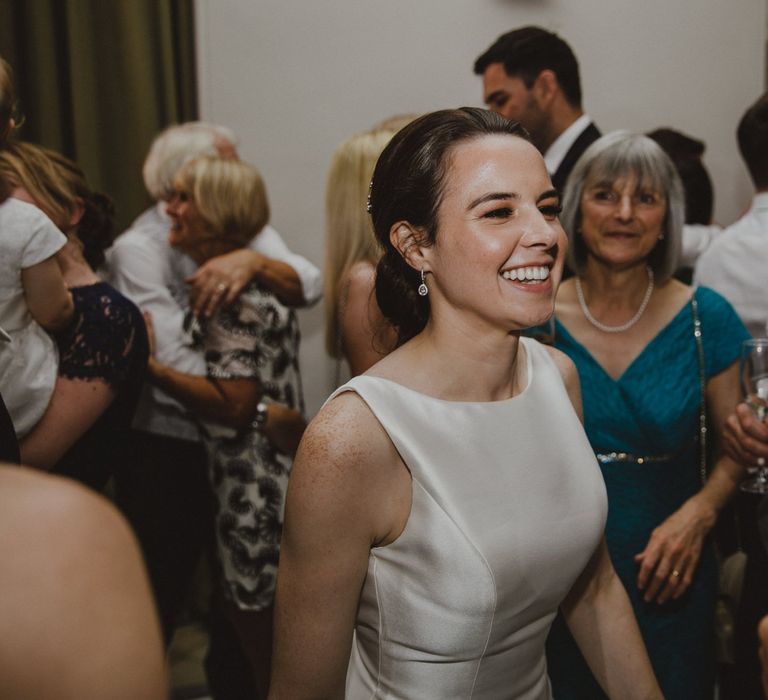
pixel 586 137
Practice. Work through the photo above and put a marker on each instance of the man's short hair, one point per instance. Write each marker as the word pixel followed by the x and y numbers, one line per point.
pixel 527 51
pixel 752 135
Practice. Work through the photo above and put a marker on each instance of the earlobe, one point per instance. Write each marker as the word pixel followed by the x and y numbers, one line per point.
pixel 77 213
pixel 407 240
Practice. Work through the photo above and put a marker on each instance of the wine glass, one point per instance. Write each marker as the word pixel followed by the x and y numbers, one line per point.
pixel 753 371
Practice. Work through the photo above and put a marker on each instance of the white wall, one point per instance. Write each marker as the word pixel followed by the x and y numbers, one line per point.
pixel 296 78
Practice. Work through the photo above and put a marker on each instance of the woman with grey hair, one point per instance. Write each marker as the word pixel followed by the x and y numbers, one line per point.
pixel 249 404
pixel 654 357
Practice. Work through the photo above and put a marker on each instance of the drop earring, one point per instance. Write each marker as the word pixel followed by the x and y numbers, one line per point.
pixel 423 291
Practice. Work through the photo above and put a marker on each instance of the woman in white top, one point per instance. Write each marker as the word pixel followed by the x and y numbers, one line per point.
pixel 33 297
pixel 33 300
pixel 445 503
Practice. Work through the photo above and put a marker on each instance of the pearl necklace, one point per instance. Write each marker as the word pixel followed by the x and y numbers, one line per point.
pixel 624 326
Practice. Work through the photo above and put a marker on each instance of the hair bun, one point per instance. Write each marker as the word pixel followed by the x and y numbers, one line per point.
pixel 396 295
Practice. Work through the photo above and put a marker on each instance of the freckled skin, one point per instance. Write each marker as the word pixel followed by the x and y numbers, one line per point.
pixel 475 244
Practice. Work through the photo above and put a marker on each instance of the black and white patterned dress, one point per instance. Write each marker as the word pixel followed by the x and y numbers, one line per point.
pixel 255 338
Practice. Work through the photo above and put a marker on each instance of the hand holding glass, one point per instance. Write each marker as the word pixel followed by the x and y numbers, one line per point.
pixel 754 386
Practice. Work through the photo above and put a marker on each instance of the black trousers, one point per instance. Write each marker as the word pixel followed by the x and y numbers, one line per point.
pixel 162 488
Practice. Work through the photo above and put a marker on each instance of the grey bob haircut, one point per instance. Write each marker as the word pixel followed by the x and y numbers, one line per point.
pixel 616 156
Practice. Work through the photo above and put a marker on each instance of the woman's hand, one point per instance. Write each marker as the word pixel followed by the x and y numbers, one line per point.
pixel 668 562
pixel 219 281
pixel 745 438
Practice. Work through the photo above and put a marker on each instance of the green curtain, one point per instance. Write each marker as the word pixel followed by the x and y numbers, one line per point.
pixel 97 79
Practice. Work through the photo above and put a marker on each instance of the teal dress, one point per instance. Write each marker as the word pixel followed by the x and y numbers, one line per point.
pixel 653 410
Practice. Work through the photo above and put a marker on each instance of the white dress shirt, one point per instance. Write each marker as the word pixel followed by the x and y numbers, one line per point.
pixel 145 268
pixel 735 265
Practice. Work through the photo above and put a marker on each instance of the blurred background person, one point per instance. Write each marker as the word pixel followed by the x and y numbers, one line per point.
pixel 162 482
pixel 531 75
pixel 733 265
pixel 33 299
pixel 355 328
pixel 249 406
pixel 686 153
pixel 9 446
pixel 103 352
pixel 653 356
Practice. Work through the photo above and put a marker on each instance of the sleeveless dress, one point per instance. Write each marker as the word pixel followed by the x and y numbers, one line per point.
pixel 653 410
pixel 508 506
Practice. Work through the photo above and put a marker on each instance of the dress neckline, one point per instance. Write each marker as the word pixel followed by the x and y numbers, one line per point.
pixel 448 402
pixel 656 338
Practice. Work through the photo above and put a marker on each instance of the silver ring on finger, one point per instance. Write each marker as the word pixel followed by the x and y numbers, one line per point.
pixel 221 287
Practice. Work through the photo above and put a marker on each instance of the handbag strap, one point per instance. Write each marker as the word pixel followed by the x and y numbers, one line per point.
pixel 702 389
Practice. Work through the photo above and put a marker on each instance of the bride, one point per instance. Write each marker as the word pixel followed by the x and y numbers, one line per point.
pixel 444 504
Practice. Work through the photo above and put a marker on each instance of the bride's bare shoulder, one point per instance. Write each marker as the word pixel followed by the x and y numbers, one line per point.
pixel 345 438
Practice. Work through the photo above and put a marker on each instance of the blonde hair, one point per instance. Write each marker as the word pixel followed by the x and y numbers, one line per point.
pixel 59 187
pixel 46 176
pixel 348 231
pixel 229 194
pixel 395 122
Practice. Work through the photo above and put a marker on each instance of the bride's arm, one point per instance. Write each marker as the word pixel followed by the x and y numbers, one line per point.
pixel 598 611
pixel 601 621
pixel 348 492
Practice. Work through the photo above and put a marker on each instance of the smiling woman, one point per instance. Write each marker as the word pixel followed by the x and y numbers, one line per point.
pixel 408 554
pixel 248 405
pixel 652 356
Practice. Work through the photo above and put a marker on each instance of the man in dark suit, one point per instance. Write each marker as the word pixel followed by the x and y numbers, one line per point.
pixel 531 75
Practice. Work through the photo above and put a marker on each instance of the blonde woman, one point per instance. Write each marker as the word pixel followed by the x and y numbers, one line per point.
pixel 355 329
pixel 249 404
pixel 33 299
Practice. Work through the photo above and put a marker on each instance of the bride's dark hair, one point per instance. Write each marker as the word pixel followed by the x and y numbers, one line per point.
pixel 408 185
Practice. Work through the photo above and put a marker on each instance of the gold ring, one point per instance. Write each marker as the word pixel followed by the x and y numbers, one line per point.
pixel 675 573
pixel 221 287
